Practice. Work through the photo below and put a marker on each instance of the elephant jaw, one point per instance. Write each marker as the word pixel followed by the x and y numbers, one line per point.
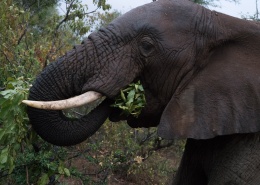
pixel 76 101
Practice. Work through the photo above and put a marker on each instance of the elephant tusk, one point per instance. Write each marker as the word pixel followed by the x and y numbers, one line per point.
pixel 76 101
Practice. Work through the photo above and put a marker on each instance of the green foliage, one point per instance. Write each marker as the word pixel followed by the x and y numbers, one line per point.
pixel 30 37
pixel 33 33
pixel 39 164
pixel 102 4
pixel 131 100
pixel 16 59
pixel 24 47
pixel 18 157
pixel 14 122
pixel 79 18
pixel 106 17
pixel 35 5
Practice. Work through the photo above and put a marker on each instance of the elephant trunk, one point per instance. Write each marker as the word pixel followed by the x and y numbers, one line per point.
pixel 59 130
pixel 61 80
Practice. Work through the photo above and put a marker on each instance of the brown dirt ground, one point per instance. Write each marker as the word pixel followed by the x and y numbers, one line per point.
pixel 156 175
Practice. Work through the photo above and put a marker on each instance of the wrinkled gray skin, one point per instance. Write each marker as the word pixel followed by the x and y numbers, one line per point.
pixel 201 73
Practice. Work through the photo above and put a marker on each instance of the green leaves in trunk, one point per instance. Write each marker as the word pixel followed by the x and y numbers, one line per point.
pixel 131 99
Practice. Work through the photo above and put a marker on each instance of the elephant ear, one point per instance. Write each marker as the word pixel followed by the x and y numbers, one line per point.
pixel 223 98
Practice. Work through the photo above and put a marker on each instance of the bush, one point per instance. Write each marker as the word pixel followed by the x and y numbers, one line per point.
pixel 24 156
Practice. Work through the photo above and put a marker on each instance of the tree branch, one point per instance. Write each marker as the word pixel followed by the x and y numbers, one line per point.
pixel 56 32
pixel 66 16
pixel 23 34
pixel 92 11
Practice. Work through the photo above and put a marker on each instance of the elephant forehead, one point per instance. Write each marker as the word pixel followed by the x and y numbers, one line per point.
pixel 164 16
pixel 139 17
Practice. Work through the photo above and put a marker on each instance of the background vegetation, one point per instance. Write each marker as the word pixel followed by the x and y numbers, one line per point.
pixel 34 33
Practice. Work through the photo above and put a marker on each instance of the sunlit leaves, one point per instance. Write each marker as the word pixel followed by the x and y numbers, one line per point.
pixel 131 100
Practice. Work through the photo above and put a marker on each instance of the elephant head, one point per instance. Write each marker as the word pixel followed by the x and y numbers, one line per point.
pixel 200 71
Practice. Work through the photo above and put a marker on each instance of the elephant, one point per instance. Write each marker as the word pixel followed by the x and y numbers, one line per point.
pixel 200 71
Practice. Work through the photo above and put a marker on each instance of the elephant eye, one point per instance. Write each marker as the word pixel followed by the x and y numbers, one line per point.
pixel 146 48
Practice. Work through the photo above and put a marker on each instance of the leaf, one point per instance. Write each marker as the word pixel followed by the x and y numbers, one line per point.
pixel 127 89
pixel 17 98
pixel 3 158
pixel 140 87
pixel 130 96
pixel 7 93
pixel 44 179
pixel 123 95
pixel 9 86
pixel 4 155
pixel 60 170
pixel 5 112
pixel 10 79
pixel 2 132
pixel 67 172
pixel 136 87
pixel 11 164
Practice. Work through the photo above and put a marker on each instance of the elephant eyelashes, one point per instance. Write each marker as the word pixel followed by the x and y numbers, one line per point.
pixel 146 48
